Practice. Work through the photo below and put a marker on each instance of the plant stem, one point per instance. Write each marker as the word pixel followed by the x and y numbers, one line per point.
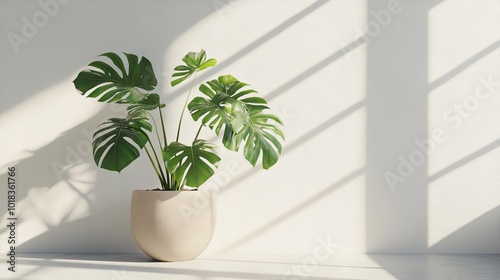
pixel 184 108
pixel 176 186
pixel 156 157
pixel 163 128
pixel 198 133
pixel 156 127
pixel 165 143
pixel 162 182
pixel 167 179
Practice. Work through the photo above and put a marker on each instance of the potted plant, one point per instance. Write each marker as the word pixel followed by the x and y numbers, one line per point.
pixel 226 106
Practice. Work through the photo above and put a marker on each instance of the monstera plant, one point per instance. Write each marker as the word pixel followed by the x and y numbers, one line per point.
pixel 161 226
pixel 226 105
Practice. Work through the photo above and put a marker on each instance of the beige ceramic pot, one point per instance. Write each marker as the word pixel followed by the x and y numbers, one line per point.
pixel 173 225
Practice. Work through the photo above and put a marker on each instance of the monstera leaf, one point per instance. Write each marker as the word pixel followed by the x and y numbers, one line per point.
pixel 193 62
pixel 118 141
pixel 191 165
pixel 104 82
pixel 148 103
pixel 212 112
pixel 258 130
pixel 223 94
pixel 240 113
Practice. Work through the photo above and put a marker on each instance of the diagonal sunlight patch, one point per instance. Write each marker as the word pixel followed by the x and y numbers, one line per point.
pixel 454 42
pixel 463 82
pixel 462 194
pixel 295 210
pixel 226 62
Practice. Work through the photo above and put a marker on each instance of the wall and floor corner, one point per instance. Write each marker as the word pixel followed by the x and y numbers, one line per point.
pixel 390 110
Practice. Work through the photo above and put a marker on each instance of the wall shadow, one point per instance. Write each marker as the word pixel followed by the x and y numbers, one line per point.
pixel 396 116
pixel 39 169
pixel 56 207
pixel 471 236
pixel 484 150
pixel 397 218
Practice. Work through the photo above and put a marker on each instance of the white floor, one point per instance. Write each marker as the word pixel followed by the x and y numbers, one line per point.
pixel 213 267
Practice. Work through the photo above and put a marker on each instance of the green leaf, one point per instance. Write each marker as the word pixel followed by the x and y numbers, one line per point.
pixel 148 103
pixel 211 112
pixel 194 62
pixel 118 141
pixel 259 132
pixel 221 93
pixel 191 165
pixel 102 81
pixel 240 115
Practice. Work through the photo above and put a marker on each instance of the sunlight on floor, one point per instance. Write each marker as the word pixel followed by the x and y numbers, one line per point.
pixel 128 267
pixel 217 267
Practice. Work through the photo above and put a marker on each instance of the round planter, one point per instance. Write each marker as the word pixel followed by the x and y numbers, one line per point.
pixel 172 225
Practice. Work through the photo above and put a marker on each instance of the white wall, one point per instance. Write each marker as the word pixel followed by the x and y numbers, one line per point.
pixel 355 94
